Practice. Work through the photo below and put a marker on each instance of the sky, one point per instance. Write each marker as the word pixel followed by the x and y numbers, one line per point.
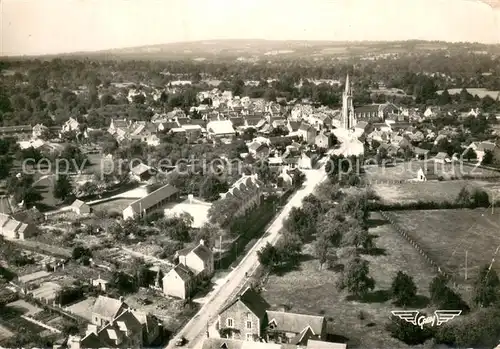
pixel 33 27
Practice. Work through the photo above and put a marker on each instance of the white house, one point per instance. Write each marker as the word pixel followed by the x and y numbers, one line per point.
pixel 220 129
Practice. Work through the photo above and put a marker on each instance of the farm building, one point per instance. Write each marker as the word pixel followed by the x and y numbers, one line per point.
pixel 80 207
pixel 151 202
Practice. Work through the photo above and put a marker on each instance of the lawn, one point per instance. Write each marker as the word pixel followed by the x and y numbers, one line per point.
pixel 430 191
pixel 446 235
pixel 83 308
pixel 117 205
pixel 404 171
pixel 311 291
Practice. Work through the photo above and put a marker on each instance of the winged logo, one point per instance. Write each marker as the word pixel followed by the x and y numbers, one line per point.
pixel 443 316
pixel 410 316
pixel 439 317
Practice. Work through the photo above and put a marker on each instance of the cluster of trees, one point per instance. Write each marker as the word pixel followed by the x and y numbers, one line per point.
pixel 344 170
pixel 479 326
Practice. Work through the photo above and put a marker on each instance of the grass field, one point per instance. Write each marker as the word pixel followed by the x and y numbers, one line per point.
pixel 480 92
pixel 431 191
pixel 408 170
pixel 311 291
pixel 117 205
pixel 446 235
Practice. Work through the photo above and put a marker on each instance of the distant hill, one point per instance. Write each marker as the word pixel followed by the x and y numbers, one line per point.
pixel 248 49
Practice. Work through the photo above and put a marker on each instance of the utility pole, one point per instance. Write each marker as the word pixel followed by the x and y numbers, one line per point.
pixel 466 252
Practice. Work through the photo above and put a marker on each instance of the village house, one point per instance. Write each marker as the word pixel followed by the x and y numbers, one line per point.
pixel 224 343
pixel 258 150
pixel 307 132
pixel 142 173
pixel 70 125
pixel 442 158
pixel 151 202
pixel 222 129
pixel 13 229
pixel 247 191
pixel 194 265
pixel 193 132
pixel 115 325
pixel 244 316
pixel 248 317
pixel 306 161
pixel 420 153
pixel 105 309
pixel 480 148
pixel 292 328
pixel 80 208
pixel 292 126
pixel 39 130
pixel 179 282
pixel 323 140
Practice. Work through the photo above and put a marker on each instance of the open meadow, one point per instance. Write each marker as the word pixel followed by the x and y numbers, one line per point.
pixel 447 235
pixel 312 291
pixel 435 191
pixel 404 171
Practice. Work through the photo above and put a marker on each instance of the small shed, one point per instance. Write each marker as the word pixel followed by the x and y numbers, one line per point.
pixel 80 207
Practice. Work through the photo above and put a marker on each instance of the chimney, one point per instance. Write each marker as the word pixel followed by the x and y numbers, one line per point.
pixel 190 198
pixel 74 342
pixel 91 329
pixel 202 242
pixel 121 299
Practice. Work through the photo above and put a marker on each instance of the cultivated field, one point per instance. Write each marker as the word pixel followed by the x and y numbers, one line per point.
pixel 404 171
pixel 431 191
pixel 311 291
pixel 446 235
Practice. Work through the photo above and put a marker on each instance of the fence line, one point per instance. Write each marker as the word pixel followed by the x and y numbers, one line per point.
pixel 419 249
pixel 41 324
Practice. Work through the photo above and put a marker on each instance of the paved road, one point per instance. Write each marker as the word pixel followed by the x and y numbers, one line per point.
pixel 195 330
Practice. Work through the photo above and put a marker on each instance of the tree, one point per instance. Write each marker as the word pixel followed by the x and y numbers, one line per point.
pixel 23 190
pixel 211 187
pixel 486 287
pixel 80 252
pixel 63 188
pixel 487 158
pixel 210 233
pixel 356 278
pixel 407 332
pixel 470 154
pixel 463 197
pixel 403 289
pixel 438 288
pixel 268 256
pixel 382 154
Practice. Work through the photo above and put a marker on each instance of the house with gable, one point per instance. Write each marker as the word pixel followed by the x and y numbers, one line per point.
pixel 195 264
pixel 70 125
pixel 115 325
pixel 245 316
pixel 307 132
pixel 292 328
pixel 248 317
pixel 105 309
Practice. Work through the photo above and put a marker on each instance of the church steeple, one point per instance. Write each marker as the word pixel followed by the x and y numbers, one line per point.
pixel 347 85
pixel 348 121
